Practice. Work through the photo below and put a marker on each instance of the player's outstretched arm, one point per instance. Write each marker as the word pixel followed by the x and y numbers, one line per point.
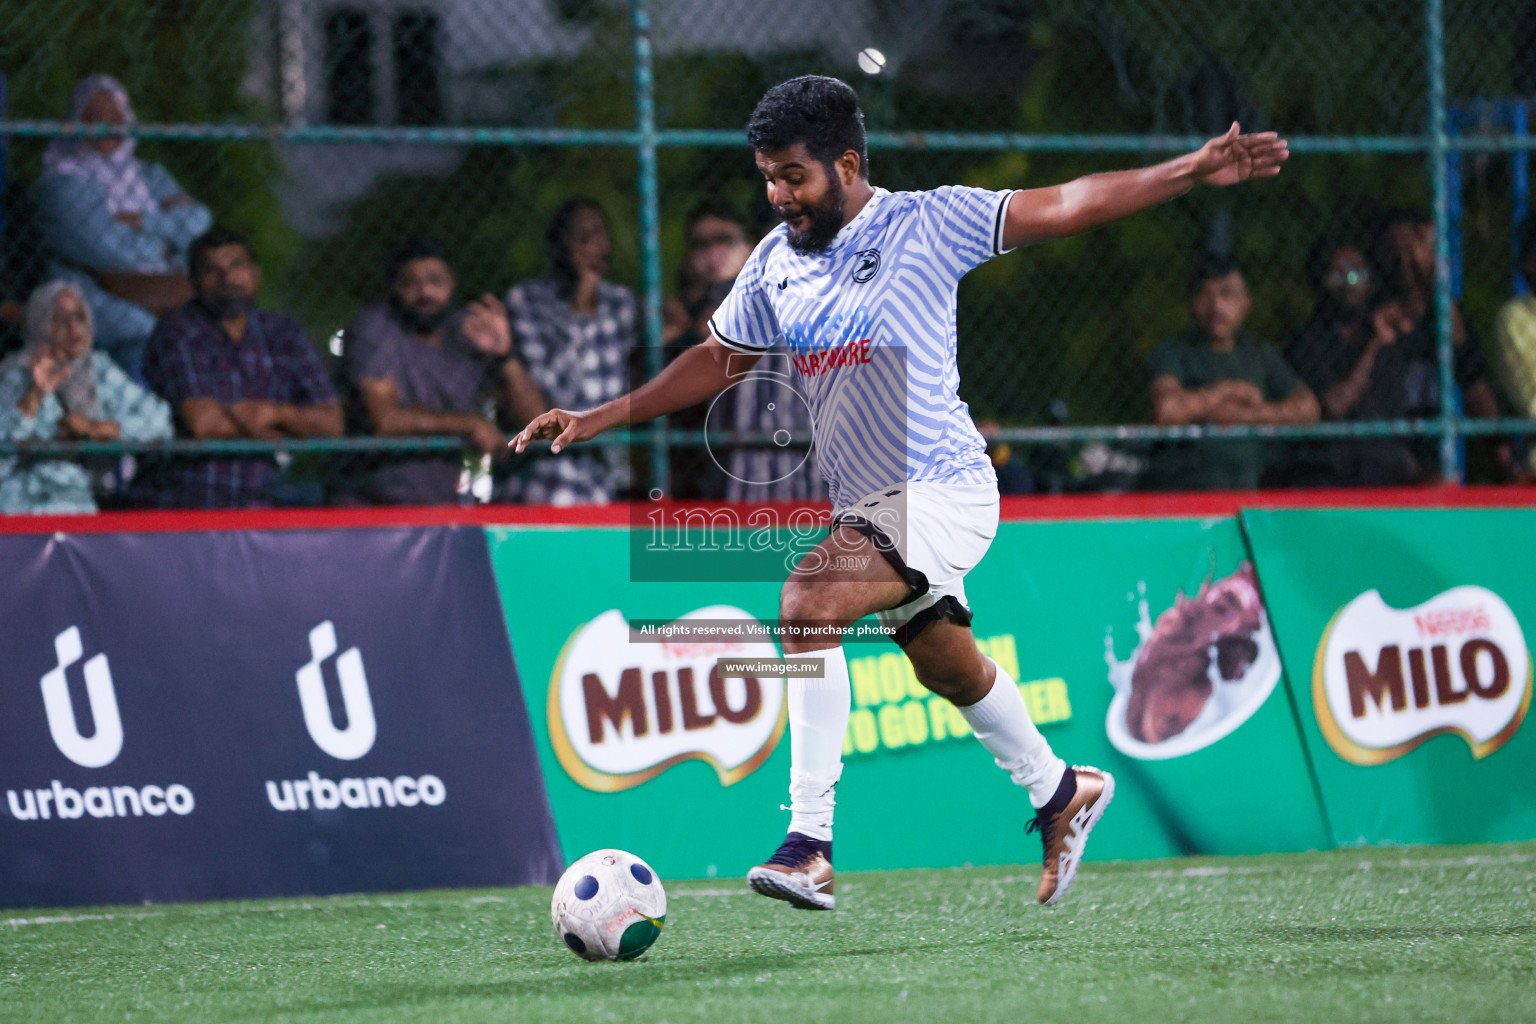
pixel 1040 214
pixel 701 372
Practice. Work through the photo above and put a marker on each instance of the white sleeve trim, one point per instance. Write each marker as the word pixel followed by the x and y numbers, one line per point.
pixel 1001 222
pixel 731 343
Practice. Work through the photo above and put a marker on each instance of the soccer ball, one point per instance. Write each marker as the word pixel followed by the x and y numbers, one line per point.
pixel 609 905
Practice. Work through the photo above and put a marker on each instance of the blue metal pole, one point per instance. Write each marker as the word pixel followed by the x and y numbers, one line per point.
pixel 650 221
pixel 1434 32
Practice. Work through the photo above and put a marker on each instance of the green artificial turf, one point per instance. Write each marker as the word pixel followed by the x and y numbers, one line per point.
pixel 1418 934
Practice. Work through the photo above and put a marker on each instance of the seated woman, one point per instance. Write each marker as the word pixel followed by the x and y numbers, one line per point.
pixel 116 226
pixel 57 387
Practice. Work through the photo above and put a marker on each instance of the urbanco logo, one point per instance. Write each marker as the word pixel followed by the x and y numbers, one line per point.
pixel 106 742
pixel 57 801
pixel 357 738
pixel 621 713
pixel 315 791
pixel 1387 679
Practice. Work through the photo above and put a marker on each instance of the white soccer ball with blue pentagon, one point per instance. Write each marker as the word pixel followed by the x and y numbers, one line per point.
pixel 609 905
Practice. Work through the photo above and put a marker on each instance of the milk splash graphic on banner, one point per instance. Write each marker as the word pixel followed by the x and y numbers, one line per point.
pixel 1199 672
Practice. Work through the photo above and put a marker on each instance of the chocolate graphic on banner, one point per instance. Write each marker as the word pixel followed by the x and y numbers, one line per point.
pixel 1387 679
pixel 621 713
pixel 1199 672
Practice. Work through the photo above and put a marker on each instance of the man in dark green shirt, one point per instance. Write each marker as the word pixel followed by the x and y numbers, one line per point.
pixel 1214 374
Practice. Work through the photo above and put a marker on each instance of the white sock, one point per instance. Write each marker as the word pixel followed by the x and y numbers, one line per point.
pixel 1002 725
pixel 818 721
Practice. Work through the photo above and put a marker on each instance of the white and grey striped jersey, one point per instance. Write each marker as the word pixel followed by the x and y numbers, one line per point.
pixel 869 326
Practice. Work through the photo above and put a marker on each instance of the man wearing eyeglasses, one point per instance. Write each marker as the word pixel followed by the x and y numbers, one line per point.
pixel 1347 352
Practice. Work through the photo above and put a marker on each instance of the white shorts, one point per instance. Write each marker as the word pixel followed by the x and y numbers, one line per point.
pixel 932 534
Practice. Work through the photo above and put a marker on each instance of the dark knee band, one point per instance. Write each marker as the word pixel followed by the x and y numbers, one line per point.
pixel 916 581
pixel 946 607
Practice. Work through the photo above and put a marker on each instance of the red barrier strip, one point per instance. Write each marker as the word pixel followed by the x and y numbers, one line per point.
pixel 1030 507
pixel 1148 505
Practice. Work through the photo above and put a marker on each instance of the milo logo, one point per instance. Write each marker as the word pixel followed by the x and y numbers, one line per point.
pixel 1385 680
pixel 623 712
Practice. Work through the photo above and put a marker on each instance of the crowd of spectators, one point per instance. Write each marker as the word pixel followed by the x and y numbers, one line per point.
pixel 1366 353
pixel 147 328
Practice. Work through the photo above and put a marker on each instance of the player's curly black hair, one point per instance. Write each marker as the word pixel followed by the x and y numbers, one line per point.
pixel 821 112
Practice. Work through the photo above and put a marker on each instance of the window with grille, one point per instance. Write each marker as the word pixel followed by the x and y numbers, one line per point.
pixel 349 94
pixel 418 92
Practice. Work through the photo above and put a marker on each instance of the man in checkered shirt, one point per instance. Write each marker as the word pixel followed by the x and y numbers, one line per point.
pixel 574 331
pixel 231 371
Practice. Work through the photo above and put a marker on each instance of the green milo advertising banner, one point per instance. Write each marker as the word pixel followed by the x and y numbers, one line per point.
pixel 1404 635
pixel 1141 647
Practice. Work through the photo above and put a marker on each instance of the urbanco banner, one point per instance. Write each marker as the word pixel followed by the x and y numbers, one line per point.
pixel 1406 634
pixel 191 716
pixel 1069 609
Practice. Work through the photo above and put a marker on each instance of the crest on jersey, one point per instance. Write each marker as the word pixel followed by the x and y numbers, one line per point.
pixel 866 264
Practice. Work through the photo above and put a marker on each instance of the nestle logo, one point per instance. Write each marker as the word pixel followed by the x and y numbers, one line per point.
pixel 1389 679
pixel 1453 622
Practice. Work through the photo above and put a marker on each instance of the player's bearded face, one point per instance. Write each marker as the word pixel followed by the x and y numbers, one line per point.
pixel 823 218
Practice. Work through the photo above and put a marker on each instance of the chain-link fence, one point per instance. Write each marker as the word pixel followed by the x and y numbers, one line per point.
pixel 1381 265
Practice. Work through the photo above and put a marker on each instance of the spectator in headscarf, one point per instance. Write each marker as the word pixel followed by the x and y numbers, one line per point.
pixel 115 226
pixel 57 387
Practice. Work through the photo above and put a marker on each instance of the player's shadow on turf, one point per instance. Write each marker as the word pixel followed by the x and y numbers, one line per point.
pixel 627 979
